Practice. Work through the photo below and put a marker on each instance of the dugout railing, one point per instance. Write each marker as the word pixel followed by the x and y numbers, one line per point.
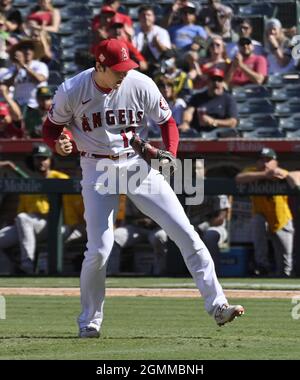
pixel 55 188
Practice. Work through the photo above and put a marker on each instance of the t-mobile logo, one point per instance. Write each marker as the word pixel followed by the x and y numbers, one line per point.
pixel 295 42
pixel 296 309
pixel 2 308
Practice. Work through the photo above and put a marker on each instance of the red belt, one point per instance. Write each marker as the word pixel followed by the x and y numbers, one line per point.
pixel 110 156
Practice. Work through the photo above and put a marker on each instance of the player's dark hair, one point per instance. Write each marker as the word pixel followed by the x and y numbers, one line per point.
pixel 245 21
pixel 144 8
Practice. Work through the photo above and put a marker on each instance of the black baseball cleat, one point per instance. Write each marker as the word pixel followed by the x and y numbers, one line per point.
pixel 88 332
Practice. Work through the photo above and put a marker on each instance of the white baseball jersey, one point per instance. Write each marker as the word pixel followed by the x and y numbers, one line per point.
pixel 103 123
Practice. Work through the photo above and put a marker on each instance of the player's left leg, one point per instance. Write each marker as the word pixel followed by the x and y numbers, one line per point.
pixel 163 206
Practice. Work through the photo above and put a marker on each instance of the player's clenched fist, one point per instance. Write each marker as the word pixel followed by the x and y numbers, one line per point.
pixel 63 145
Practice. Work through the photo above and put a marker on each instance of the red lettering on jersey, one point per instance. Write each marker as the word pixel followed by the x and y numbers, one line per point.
pixel 163 104
pixel 125 138
pixel 139 116
pixel 110 117
pixel 122 116
pixel 130 117
pixel 85 123
pixel 97 120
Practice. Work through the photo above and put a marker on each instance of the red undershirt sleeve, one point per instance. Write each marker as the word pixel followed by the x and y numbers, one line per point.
pixel 51 132
pixel 170 135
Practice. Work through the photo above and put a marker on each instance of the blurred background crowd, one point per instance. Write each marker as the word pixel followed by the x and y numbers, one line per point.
pixel 228 69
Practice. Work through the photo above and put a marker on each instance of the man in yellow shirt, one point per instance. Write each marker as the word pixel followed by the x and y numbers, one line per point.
pixel 272 218
pixel 31 221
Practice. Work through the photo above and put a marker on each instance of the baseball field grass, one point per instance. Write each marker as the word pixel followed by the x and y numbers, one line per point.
pixel 152 282
pixel 143 328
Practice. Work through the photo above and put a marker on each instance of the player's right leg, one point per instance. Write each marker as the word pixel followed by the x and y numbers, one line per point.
pixel 163 206
pixel 99 214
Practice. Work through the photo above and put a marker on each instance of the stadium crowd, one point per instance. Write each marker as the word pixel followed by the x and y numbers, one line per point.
pixel 208 59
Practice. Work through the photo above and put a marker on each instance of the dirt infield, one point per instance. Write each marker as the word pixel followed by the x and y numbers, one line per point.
pixel 148 292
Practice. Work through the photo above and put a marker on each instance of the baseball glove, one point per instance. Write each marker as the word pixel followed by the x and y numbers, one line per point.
pixel 152 155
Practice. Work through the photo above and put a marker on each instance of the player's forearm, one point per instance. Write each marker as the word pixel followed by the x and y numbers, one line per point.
pixel 250 177
pixel 170 135
pixel 252 75
pixel 227 123
pixel 51 132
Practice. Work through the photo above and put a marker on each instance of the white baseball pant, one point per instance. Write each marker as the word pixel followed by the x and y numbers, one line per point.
pixel 165 209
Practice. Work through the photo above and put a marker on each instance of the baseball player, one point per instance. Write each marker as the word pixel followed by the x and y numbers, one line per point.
pixel 105 107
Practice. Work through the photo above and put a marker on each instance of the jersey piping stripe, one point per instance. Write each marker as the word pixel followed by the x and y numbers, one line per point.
pixel 165 119
pixel 55 122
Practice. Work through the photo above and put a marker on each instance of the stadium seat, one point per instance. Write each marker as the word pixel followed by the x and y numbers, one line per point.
pixel 93 3
pixel 255 106
pixel 251 91
pixel 287 92
pixel 264 8
pixel 218 133
pixel 264 133
pixel 133 13
pixel 277 80
pixel 76 10
pixel 67 41
pixel 59 3
pixel 66 29
pixel 69 68
pixel 68 54
pixel 293 134
pixel 257 121
pixel 22 4
pixel 287 12
pixel 55 78
pixel 288 107
pixel 290 124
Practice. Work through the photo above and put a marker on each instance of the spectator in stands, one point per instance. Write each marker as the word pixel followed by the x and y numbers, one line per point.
pixel 42 40
pixel 136 228
pixel 27 73
pixel 112 6
pixel 10 116
pixel 116 28
pixel 216 18
pixel 9 164
pixel 126 20
pixel 272 218
pixel 35 117
pixel 215 58
pixel 5 42
pixel 176 104
pixel 45 16
pixel 247 67
pixel 210 219
pixel 30 224
pixel 187 35
pixel 245 30
pixel 277 46
pixel 182 84
pixel 173 13
pixel 100 26
pixel 13 16
pixel 150 39
pixel 212 108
